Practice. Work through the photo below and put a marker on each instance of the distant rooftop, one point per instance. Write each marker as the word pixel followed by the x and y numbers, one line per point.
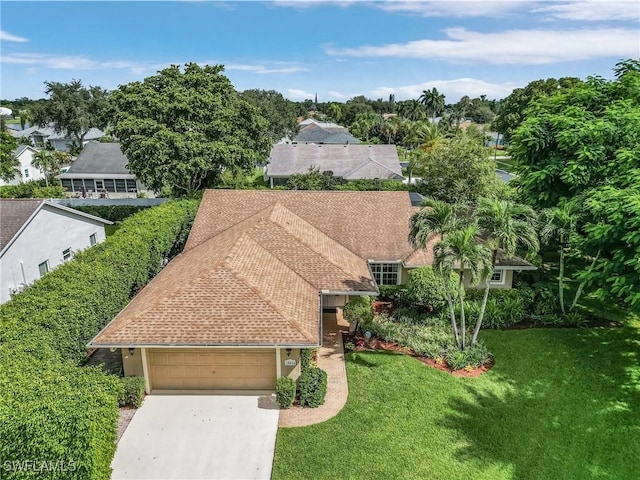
pixel 347 161
pixel 100 158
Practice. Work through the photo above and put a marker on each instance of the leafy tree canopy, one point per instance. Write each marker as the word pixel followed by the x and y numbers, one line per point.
pixel 583 145
pixel 182 129
pixel 513 108
pixel 277 110
pixel 72 108
pixel 314 179
pixel 457 170
pixel 580 138
pixel 9 164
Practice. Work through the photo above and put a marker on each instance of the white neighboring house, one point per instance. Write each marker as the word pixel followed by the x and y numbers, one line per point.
pixel 38 235
pixel 60 141
pixel 24 154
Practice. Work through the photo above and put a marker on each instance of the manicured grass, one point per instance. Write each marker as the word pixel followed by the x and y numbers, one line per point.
pixel 558 404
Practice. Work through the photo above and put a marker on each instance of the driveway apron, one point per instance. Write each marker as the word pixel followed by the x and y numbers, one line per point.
pixel 199 437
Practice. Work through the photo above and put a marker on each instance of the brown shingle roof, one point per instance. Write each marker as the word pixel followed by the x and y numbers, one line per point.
pixel 256 282
pixel 13 215
pixel 372 225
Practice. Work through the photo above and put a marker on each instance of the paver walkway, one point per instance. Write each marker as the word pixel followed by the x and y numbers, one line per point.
pixel 331 360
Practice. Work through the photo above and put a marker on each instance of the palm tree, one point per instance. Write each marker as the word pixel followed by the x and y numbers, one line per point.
pixel 436 218
pixel 506 227
pixel 25 116
pixel 459 250
pixel 411 110
pixel 430 136
pixel 560 224
pixel 464 105
pixel 42 161
pixel 48 163
pixel 433 100
pixel 390 128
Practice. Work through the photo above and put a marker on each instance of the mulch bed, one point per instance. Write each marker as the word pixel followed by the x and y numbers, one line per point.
pixel 125 416
pixel 376 344
pixel 383 307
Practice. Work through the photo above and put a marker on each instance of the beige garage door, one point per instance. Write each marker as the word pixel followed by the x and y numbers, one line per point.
pixel 212 369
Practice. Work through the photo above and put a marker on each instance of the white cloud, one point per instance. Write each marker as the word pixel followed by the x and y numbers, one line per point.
pixel 523 47
pixel 424 8
pixel 261 69
pixel 302 4
pixel 452 8
pixel 9 37
pixel 452 89
pixel 81 62
pixel 74 62
pixel 296 94
pixel 593 10
pixel 578 10
pixel 338 95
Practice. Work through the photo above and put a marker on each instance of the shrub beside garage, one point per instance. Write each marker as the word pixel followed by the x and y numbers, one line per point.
pixel 57 419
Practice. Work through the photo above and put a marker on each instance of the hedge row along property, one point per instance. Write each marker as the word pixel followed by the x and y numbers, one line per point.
pixel 54 413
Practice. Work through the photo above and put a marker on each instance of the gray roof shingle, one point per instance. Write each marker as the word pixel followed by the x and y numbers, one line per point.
pixel 49 132
pixel 348 161
pixel 315 133
pixel 100 158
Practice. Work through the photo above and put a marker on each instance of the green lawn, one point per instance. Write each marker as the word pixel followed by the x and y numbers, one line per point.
pixel 559 404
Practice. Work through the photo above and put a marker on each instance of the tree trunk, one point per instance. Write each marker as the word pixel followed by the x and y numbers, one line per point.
pixel 454 325
pixel 462 319
pixel 581 286
pixel 561 276
pixel 476 330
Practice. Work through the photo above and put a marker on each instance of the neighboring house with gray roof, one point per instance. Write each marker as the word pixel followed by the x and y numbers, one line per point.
pixel 325 133
pixel 24 154
pixel 37 236
pixel 60 141
pixel 101 168
pixel 351 162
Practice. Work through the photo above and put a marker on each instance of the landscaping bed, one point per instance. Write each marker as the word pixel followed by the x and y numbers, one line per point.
pixel 359 344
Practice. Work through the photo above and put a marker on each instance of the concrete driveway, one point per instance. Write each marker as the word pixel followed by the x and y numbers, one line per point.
pixel 198 437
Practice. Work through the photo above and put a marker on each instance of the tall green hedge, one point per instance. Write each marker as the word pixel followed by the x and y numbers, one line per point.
pixel 58 420
pixel 114 213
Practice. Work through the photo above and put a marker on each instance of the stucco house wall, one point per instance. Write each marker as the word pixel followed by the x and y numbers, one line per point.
pixel 27 171
pixel 45 238
pixel 505 283
pixel 292 371
pixel 132 362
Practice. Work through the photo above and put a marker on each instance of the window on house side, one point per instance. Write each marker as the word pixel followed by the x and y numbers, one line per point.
pixel 497 276
pixel 26 173
pixel 66 254
pixel 44 268
pixel 385 273
pixel 92 239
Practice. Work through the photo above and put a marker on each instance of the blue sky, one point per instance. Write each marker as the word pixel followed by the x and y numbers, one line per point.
pixel 337 49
